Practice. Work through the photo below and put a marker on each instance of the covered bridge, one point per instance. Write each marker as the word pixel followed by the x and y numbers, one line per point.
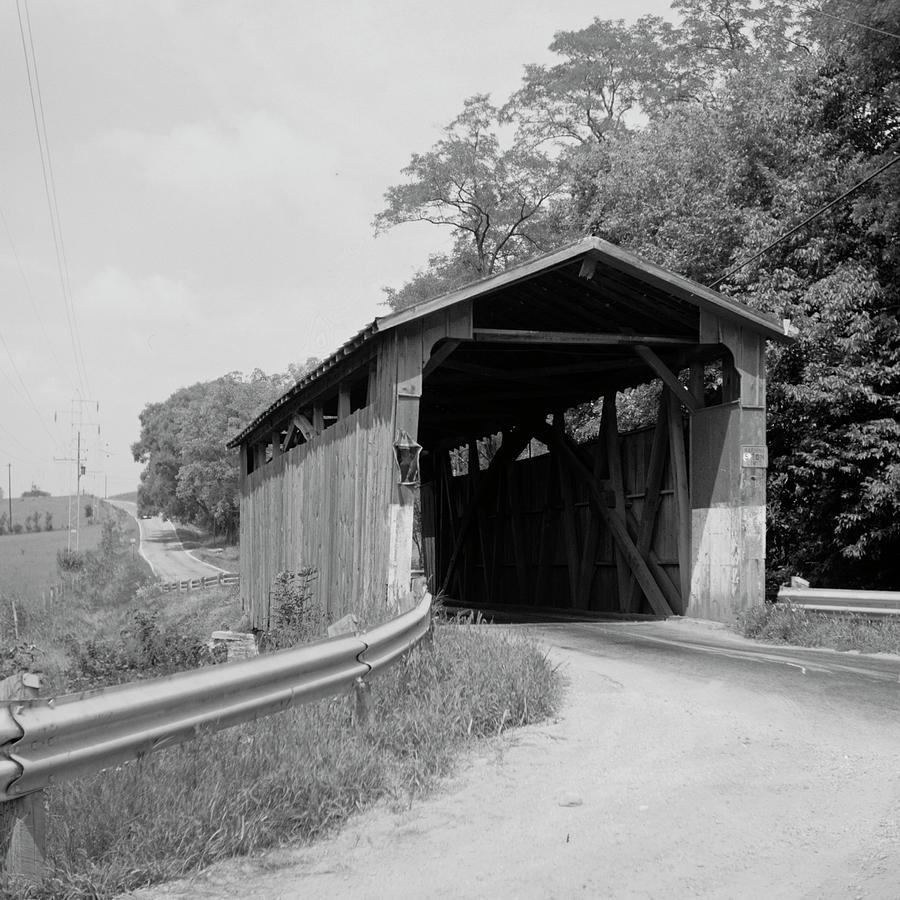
pixel 666 519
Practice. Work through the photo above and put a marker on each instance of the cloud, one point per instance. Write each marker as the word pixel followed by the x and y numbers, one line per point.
pixel 112 298
pixel 255 152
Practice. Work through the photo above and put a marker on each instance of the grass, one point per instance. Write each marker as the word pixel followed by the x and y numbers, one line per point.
pixel 28 560
pixel 295 776
pixel 202 544
pixel 783 623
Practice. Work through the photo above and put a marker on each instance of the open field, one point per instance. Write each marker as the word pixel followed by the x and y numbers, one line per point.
pixel 28 560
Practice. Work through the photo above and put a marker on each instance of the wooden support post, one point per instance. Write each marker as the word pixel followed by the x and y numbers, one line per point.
pixel 23 823
pixel 669 378
pixel 516 513
pixel 570 526
pixel 481 536
pixel 652 492
pixel 318 417
pixel 591 540
pixel 496 580
pixel 402 508
pixel 343 400
pixel 682 496
pixel 613 522
pixel 610 425
pixel 696 382
pixel 362 704
pixel 547 541
pixel 509 450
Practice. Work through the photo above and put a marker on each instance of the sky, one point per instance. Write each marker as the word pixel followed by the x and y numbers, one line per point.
pixel 217 167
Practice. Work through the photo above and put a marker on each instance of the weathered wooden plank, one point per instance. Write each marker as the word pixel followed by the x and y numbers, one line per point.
pixel 519 336
pixel 518 440
pixel 669 378
pixel 652 495
pixel 570 525
pixel 610 427
pixel 682 495
pixel 616 526
pixel 592 538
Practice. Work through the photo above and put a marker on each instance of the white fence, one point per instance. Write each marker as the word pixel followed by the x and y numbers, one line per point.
pixel 196 584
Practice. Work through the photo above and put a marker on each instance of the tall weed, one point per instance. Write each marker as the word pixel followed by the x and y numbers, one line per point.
pixel 784 623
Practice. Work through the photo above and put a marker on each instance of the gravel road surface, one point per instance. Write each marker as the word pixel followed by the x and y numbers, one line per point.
pixel 685 762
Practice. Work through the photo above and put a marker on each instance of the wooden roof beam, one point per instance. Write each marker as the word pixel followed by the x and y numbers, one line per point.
pixel 669 378
pixel 516 336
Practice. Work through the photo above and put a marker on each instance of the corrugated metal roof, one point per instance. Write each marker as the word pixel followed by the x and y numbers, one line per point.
pixel 603 251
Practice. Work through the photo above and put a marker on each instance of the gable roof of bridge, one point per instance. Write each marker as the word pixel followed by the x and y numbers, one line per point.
pixel 656 295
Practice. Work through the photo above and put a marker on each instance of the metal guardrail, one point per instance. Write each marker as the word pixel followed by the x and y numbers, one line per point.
pixel 870 603
pixel 195 584
pixel 46 740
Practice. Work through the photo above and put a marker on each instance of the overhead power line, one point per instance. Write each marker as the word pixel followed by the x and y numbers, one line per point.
pixel 821 12
pixel 805 222
pixel 28 292
pixel 40 125
pixel 26 392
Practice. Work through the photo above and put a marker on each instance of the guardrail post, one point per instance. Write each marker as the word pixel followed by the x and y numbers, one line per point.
pixel 23 823
pixel 362 708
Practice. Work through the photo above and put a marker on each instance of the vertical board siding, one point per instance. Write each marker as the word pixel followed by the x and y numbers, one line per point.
pixel 319 505
pixel 537 513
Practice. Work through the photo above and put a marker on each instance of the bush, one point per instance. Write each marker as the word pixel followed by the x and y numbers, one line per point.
pixel 784 623
pixel 69 561
pixel 295 617
pixel 144 650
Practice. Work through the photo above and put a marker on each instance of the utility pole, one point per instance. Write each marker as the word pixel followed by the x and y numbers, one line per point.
pixel 78 473
pixel 9 491
pixel 80 468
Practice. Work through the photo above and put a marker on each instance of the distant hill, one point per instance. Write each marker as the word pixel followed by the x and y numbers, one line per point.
pixel 131 495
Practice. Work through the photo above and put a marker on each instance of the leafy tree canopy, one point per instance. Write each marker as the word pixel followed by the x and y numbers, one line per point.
pixel 190 475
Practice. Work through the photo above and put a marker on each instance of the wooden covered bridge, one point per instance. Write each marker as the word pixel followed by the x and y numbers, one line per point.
pixel 666 519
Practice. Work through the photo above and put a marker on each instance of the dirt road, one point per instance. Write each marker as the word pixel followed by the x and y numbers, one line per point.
pixel 686 762
pixel 162 549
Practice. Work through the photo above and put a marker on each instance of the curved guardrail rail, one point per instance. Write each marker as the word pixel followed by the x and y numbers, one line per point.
pixel 870 603
pixel 45 740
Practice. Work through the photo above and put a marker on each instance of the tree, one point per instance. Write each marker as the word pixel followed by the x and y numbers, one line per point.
pixel 490 198
pixel 190 475
pixel 711 183
pixel 606 71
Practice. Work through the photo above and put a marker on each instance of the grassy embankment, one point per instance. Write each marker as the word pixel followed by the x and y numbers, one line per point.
pixel 28 560
pixel 40 631
pixel 782 623
pixel 294 776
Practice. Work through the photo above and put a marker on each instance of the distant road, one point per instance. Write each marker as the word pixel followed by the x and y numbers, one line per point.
pixel 162 549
